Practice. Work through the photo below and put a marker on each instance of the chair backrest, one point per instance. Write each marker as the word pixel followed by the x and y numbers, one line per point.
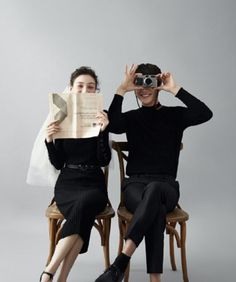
pixel 106 174
pixel 122 150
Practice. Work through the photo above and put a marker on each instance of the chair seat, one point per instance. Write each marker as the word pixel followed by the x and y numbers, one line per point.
pixel 175 220
pixel 108 212
pixel 53 212
pixel 177 215
pixel 124 213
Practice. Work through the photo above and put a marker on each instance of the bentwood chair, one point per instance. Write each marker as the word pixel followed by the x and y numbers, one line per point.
pixel 102 224
pixel 177 216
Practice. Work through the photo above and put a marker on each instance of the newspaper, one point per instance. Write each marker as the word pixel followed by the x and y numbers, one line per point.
pixel 76 114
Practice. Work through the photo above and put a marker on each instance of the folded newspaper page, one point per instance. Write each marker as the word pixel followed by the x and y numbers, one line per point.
pixel 76 114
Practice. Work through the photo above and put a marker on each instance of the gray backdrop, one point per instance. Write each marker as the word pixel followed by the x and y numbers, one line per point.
pixel 42 42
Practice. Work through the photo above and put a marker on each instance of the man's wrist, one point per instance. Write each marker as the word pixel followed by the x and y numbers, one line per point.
pixel 120 91
pixel 175 90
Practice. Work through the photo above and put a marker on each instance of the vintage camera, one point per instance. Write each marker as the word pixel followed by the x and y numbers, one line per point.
pixel 147 80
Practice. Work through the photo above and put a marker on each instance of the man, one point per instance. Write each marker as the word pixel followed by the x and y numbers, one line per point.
pixel 154 133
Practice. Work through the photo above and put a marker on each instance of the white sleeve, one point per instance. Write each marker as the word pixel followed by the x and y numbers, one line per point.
pixel 41 172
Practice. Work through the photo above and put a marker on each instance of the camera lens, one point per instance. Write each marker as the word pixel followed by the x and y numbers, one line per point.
pixel 148 81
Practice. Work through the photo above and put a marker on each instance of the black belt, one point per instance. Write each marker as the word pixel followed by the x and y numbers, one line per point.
pixel 150 175
pixel 82 166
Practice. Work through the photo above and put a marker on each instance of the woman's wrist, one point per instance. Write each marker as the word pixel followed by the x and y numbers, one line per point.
pixel 49 140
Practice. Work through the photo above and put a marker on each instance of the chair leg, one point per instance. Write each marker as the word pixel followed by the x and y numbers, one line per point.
pixel 121 239
pixel 107 228
pixel 52 235
pixel 58 232
pixel 123 227
pixel 183 251
pixel 172 250
pixel 127 271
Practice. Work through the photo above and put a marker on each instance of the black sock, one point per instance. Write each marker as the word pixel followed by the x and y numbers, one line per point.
pixel 121 262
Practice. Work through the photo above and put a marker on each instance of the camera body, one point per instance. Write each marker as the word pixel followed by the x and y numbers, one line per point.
pixel 147 80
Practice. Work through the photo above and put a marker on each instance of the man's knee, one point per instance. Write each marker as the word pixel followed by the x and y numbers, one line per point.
pixel 153 188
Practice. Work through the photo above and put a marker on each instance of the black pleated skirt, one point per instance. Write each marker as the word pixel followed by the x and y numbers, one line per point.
pixel 80 195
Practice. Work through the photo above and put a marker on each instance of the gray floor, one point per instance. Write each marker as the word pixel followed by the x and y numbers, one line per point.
pixel 24 247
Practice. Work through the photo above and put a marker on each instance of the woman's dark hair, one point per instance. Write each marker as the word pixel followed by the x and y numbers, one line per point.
pixel 81 71
pixel 148 69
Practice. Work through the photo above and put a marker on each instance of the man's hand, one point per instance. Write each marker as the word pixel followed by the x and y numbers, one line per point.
pixel 168 83
pixel 128 82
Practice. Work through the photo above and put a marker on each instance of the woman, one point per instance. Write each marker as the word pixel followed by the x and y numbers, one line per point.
pixel 80 191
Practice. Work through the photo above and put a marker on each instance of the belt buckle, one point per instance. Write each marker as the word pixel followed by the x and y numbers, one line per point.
pixel 84 167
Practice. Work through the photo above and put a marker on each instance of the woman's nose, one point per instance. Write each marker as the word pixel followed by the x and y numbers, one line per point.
pixel 85 89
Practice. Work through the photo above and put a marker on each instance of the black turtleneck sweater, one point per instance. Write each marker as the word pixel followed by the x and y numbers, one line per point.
pixel 154 134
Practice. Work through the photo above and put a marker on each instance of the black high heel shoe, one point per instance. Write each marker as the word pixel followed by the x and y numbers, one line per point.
pixel 48 273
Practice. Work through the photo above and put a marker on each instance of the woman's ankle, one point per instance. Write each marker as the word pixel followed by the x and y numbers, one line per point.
pixel 155 277
pixel 46 276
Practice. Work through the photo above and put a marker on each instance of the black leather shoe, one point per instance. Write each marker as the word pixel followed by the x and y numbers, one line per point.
pixel 112 274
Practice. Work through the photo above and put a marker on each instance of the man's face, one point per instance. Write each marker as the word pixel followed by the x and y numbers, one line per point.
pixel 147 96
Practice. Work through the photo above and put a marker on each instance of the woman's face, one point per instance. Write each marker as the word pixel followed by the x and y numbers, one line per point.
pixel 84 84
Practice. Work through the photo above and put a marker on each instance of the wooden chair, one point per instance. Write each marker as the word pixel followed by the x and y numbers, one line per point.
pixel 178 215
pixel 102 224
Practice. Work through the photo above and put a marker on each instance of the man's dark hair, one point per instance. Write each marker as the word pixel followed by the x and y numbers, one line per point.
pixel 148 69
pixel 84 71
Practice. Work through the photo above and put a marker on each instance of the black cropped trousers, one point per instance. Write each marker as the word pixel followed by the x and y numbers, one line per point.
pixel 149 198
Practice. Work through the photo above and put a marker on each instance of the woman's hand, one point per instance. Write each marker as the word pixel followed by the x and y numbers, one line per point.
pixel 52 128
pixel 168 83
pixel 128 82
pixel 102 120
